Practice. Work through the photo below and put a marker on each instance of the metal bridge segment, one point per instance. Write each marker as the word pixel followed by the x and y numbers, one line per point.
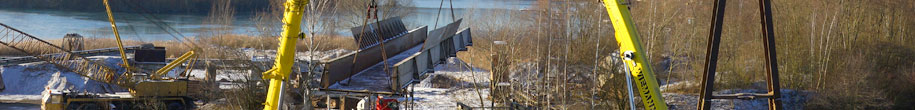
pixel 432 51
pixel 92 52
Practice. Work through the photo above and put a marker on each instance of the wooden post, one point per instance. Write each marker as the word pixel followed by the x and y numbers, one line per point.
pixel 343 101
pixel 327 103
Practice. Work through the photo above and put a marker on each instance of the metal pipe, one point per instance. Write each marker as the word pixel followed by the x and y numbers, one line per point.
pixel 629 85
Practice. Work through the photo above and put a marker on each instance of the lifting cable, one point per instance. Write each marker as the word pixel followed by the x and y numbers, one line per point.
pixel 371 13
pixel 381 39
pixel 160 23
pixel 451 4
pixel 437 15
pixel 131 27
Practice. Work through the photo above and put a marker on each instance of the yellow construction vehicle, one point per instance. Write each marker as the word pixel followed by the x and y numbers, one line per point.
pixel 146 90
pixel 634 56
pixel 143 91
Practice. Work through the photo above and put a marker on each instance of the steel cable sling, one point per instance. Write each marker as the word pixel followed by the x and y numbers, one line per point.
pixel 371 13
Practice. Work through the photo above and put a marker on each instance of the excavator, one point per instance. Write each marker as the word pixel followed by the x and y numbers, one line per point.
pixel 146 89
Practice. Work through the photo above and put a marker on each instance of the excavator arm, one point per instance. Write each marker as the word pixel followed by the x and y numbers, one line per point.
pixel 634 56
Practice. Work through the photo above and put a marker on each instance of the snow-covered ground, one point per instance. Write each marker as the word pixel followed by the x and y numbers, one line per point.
pixel 791 100
pixel 25 82
pixel 269 55
pixel 451 83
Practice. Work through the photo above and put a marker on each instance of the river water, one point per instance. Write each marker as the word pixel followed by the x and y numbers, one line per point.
pixel 54 24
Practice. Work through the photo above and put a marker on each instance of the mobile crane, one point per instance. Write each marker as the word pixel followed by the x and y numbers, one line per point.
pixel 143 87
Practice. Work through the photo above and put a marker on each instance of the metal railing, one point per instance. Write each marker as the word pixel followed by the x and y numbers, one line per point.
pixel 420 63
pixel 369 35
pixel 340 68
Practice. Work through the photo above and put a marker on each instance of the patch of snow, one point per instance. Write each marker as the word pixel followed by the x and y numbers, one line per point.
pixel 463 90
pixel 223 75
pixel 27 81
pixel 447 99
pixel 791 100
pixel 31 78
pixel 679 85
pixel 458 69
pixel 269 55
pixel 33 99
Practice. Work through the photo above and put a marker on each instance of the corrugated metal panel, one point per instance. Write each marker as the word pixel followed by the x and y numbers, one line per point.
pixel 369 35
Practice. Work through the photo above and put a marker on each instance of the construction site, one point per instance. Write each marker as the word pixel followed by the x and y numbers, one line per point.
pixel 456 54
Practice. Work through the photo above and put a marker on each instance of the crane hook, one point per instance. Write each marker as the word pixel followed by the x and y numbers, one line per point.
pixel 372 12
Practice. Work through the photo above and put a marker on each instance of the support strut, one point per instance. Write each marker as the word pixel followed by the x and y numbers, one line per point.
pixel 708 76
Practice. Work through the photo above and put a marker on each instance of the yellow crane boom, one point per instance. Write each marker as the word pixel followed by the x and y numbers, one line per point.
pixel 114 29
pixel 634 56
pixel 292 20
pixel 189 55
